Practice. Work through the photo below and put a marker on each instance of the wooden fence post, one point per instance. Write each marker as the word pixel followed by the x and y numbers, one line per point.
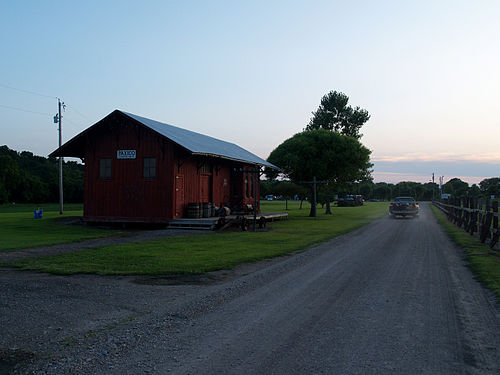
pixel 494 238
pixel 486 223
pixel 461 203
pixel 473 222
pixel 466 213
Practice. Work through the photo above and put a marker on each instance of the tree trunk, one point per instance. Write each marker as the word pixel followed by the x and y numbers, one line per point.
pixel 286 204
pixel 301 201
pixel 312 213
pixel 328 208
pixel 313 201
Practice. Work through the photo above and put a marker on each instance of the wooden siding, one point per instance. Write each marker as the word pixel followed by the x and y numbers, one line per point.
pixel 127 195
pixel 181 178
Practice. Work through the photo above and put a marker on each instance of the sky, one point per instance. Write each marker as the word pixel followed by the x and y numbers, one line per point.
pixel 252 72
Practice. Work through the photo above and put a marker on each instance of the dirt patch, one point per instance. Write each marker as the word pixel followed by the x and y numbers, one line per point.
pixel 10 358
pixel 209 278
pixel 185 279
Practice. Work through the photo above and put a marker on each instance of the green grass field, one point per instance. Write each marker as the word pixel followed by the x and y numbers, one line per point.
pixel 483 261
pixel 202 253
pixel 18 229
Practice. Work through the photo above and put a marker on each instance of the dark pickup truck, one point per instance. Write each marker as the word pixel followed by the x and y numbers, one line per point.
pixel 404 206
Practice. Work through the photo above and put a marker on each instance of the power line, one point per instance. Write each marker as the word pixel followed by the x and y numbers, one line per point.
pixel 27 91
pixel 72 122
pixel 25 110
pixel 77 111
pixel 41 95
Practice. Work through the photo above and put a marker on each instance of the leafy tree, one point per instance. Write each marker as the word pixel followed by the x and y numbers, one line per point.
pixel 456 187
pixel 335 114
pixel 430 191
pixel 490 186
pixel 9 177
pixel 266 187
pixel 404 188
pixel 322 154
pixel 25 177
pixel 287 190
pixel 366 190
pixel 475 191
pixel 382 191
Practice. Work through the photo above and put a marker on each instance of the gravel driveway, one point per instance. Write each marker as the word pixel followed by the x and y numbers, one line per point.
pixel 392 297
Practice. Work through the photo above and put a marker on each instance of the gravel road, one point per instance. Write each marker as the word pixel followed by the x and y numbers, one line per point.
pixel 394 297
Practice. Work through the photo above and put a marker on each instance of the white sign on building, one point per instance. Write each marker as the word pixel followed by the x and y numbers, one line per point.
pixel 125 154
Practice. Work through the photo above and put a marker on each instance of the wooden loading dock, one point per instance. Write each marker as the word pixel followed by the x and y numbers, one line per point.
pixel 221 223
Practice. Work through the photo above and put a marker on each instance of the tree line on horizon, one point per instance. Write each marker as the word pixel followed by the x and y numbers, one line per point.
pixel 384 191
pixel 429 190
pixel 27 178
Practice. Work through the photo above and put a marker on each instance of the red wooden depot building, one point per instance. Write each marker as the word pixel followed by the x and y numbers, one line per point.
pixel 141 170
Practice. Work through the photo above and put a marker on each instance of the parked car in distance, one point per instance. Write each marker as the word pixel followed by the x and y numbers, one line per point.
pixel 404 206
pixel 350 201
pixel 269 197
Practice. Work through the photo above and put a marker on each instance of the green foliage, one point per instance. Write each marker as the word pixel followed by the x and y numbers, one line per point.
pixel 381 191
pixel 334 114
pixel 25 178
pixel 474 191
pixel 208 252
pixel 490 186
pixel 19 230
pixel 323 154
pixel 456 187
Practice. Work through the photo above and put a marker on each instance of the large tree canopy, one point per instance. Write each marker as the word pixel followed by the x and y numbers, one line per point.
pixel 456 187
pixel 335 114
pixel 324 154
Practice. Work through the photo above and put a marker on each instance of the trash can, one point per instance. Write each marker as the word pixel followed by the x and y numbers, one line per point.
pixel 38 213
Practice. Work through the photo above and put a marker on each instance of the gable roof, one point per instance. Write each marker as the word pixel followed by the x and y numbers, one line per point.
pixel 195 143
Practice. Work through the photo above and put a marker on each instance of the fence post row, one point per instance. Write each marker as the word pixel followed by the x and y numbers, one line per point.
pixel 494 238
pixel 474 216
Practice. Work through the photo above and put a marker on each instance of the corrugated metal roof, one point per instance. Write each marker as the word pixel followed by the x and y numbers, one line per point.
pixel 201 144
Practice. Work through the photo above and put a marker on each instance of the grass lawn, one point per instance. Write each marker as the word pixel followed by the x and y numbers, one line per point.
pixel 18 229
pixel 214 251
pixel 483 261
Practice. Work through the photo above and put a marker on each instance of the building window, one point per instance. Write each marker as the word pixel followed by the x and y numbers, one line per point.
pixel 105 168
pixel 149 170
pixel 205 168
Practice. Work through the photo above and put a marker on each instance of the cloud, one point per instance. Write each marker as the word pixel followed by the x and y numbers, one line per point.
pixel 490 158
pixel 419 168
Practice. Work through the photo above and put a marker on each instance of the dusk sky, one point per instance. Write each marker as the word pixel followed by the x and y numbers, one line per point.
pixel 251 73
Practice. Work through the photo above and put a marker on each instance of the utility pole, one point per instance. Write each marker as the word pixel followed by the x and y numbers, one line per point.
pixel 433 187
pixel 58 120
pixel 441 182
pixel 314 182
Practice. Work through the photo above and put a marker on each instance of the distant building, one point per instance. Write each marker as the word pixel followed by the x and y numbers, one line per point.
pixel 141 170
